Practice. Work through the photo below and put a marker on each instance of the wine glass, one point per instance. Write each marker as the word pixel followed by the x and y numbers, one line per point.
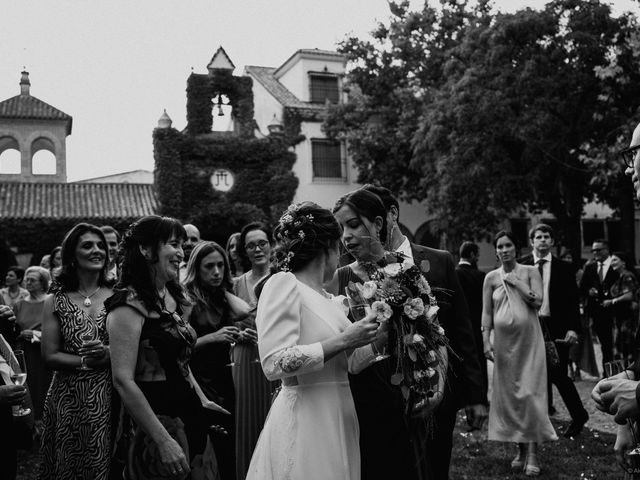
pixel 87 337
pixel 19 377
pixel 360 310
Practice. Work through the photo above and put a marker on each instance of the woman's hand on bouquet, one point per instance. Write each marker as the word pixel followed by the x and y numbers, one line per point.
pixel 249 335
pixel 12 394
pixel 228 334
pixel 361 332
pixel 173 458
pixel 95 353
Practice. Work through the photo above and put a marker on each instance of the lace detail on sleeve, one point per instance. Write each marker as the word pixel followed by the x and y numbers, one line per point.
pixel 296 360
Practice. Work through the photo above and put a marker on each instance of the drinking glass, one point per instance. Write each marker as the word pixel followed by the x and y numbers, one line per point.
pixel 360 310
pixel 19 377
pixel 87 337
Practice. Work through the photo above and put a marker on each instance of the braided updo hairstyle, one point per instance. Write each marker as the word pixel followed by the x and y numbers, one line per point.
pixel 303 232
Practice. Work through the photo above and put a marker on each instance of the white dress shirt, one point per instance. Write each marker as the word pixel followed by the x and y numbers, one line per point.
pixel 545 309
pixel 405 249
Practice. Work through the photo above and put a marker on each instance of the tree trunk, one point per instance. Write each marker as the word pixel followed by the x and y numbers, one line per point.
pixel 626 200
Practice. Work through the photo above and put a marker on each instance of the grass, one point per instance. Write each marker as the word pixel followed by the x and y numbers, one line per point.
pixel 590 456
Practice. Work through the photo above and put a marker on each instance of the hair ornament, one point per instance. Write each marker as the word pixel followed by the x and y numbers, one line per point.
pixel 284 264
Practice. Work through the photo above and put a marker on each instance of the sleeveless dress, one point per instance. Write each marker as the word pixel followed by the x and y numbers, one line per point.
pixel 519 400
pixel 311 432
pixel 77 422
pixel 386 447
pixel 166 343
pixel 253 390
pixel 209 365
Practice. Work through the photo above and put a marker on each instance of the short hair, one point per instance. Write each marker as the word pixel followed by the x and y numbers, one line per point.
pixel 467 248
pixel 505 233
pixel 625 257
pixel 303 232
pixel 364 204
pixel 602 241
pixel 109 229
pixel 19 271
pixel 541 227
pixel 385 195
pixel 43 275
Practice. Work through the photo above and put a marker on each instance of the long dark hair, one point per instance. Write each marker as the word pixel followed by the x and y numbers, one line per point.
pixel 67 275
pixel 232 264
pixel 200 293
pixel 365 204
pixel 149 232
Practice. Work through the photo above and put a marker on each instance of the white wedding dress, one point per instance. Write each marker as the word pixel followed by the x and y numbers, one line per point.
pixel 312 429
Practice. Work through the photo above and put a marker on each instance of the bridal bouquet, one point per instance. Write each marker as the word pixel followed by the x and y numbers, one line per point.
pixel 399 293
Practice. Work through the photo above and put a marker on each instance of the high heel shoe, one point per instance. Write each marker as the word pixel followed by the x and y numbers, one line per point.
pixel 531 468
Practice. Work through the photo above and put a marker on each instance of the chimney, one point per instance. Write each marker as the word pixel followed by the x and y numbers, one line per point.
pixel 25 84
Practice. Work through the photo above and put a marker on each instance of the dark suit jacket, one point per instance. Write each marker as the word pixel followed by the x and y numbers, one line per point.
pixel 563 298
pixel 465 377
pixel 590 280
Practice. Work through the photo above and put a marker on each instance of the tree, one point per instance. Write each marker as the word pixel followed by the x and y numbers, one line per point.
pixel 512 115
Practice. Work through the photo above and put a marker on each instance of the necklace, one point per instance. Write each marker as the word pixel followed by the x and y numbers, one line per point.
pixel 87 298
pixel 13 297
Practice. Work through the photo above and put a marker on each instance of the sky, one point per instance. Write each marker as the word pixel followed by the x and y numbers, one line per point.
pixel 115 65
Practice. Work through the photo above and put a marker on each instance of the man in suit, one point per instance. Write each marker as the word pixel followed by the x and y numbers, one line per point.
pixel 471 281
pixel 559 316
pixel 465 388
pixel 595 287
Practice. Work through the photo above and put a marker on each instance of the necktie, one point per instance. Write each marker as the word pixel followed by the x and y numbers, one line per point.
pixel 541 263
pixel 600 271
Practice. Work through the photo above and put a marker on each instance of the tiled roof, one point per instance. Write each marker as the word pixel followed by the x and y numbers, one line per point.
pixel 282 94
pixel 26 106
pixel 76 200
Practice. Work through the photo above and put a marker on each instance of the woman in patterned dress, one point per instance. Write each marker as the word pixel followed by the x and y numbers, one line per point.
pixel 77 414
pixel 151 345
pixel 253 390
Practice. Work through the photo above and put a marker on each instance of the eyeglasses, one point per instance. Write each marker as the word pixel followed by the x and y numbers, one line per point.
pixel 629 154
pixel 262 244
pixel 595 250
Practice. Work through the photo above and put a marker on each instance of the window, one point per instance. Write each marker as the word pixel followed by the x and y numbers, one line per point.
pixel 592 230
pixel 323 88
pixel 10 161
pixel 326 157
pixel 43 163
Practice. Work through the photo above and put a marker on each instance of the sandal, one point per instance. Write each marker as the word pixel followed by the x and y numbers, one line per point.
pixel 517 463
pixel 531 469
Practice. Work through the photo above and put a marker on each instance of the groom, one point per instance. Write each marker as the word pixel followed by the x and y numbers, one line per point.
pixel 464 381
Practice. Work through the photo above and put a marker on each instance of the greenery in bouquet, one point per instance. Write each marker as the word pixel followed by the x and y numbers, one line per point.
pixel 399 293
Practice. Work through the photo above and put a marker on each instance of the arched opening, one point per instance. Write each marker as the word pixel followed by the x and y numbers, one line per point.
pixel 425 237
pixel 222 113
pixel 43 158
pixel 10 157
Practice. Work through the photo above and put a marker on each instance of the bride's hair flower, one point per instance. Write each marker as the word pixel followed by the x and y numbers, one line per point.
pixel 369 289
pixel 382 309
pixel 432 312
pixel 413 308
pixel 440 330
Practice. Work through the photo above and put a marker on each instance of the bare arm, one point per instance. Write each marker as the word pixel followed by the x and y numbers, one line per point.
pixel 487 314
pixel 52 354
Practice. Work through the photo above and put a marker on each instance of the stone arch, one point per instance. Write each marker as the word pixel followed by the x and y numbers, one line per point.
pixel 10 157
pixel 425 237
pixel 43 157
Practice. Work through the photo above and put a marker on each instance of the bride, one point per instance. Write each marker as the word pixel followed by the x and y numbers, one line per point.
pixel 305 339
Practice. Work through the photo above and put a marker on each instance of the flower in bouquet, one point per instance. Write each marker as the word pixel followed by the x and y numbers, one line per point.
pixel 382 309
pixel 413 308
pixel 369 290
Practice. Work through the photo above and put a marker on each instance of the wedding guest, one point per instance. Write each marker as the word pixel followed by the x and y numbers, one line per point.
pixel 623 301
pixel 45 261
pixel 512 295
pixel 112 237
pixel 464 387
pixel 10 395
pixel 559 316
pixel 151 344
pixel 595 288
pixel 193 237
pixel 307 341
pixel 13 291
pixel 215 311
pixel 30 313
pixel 385 432
pixel 76 440
pixel 55 260
pixel 253 390
pixel 236 263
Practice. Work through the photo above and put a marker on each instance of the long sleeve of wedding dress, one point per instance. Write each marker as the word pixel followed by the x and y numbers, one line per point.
pixel 278 325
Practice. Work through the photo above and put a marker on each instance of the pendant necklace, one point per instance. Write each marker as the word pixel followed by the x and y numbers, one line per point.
pixel 87 298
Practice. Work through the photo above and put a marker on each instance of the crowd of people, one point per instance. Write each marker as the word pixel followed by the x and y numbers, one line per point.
pixel 153 353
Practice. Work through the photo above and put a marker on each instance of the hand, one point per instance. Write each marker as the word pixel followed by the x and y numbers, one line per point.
pixel 423 408
pixel 211 405
pixel 249 335
pixel 12 394
pixel 224 335
pixel 607 303
pixel 95 352
pixel 617 397
pixel 6 313
pixel 571 337
pixel 488 351
pixel 26 335
pixel 510 278
pixel 593 292
pixel 361 332
pixel 477 416
pixel 173 458
pixel 624 442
